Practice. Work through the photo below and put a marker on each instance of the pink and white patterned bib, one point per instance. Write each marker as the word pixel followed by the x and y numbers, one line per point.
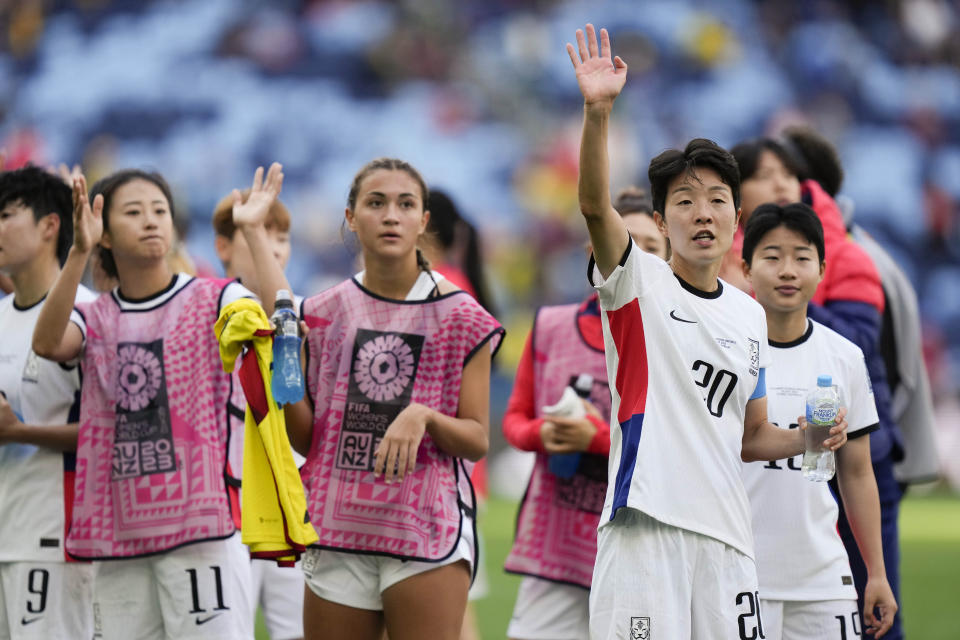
pixel 370 357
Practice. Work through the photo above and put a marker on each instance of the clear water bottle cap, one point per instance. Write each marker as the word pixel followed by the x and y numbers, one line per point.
pixel 284 299
pixel 824 381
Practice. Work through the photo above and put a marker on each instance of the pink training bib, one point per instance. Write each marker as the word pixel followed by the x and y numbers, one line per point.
pixel 153 436
pixel 556 535
pixel 369 358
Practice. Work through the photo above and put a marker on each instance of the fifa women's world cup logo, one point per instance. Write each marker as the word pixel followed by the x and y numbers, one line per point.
pixel 141 374
pixel 143 438
pixel 383 368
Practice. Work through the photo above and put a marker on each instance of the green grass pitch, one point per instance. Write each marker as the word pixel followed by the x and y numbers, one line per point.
pixel 930 567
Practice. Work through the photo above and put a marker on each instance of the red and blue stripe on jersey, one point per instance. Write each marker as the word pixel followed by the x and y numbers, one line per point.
pixel 626 329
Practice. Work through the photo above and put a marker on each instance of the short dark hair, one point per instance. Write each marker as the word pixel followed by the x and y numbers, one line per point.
pixel 633 200
pixel 819 154
pixel 700 153
pixel 107 187
pixel 43 193
pixel 747 155
pixel 795 216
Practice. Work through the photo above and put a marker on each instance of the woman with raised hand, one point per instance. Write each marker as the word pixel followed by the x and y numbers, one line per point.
pixel 685 359
pixel 151 502
pixel 556 537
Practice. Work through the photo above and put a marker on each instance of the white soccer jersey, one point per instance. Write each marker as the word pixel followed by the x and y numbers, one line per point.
pixel 42 392
pixel 682 364
pixel 799 554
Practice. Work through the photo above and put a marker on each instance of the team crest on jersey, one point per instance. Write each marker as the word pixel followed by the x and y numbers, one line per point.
pixel 31 371
pixel 754 356
pixel 640 628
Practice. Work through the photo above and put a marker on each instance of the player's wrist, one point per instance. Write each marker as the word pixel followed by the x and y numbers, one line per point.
pixel 598 109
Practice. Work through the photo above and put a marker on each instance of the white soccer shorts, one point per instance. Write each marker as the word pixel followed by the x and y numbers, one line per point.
pixel 357 580
pixel 653 581
pixel 826 619
pixel 198 591
pixel 46 600
pixel 548 610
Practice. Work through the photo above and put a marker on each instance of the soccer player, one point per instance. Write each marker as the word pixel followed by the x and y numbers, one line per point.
pixel 41 595
pixel 152 447
pixel 849 300
pixel 278 590
pixel 685 357
pixel 556 537
pixel 398 366
pixel 805 580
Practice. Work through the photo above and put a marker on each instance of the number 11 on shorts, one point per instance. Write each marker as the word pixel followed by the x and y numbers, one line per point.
pixel 195 591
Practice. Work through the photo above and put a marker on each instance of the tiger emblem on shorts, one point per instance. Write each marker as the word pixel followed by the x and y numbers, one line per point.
pixel 640 628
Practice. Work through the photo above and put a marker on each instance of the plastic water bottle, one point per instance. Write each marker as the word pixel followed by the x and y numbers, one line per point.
pixel 565 465
pixel 823 403
pixel 287 385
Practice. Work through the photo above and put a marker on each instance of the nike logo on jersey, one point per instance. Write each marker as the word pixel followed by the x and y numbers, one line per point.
pixel 25 620
pixel 200 621
pixel 673 314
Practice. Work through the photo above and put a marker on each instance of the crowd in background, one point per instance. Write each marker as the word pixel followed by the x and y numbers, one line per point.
pixel 478 95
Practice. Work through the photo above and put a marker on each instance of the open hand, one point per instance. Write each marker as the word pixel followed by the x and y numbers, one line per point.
pixel 263 194
pixel 65 173
pixel 87 219
pixel 599 76
pixel 396 455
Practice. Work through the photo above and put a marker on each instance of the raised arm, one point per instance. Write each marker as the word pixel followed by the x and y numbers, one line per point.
pixel 54 336
pixel 600 78
pixel 249 216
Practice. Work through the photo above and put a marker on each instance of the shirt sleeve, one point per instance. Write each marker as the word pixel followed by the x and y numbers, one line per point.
pixel 628 281
pixel 761 389
pixel 76 317
pixel 766 357
pixel 521 426
pixel 862 409
pixel 233 292
pixel 601 439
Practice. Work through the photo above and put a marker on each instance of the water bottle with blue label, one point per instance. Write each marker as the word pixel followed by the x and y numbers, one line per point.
pixel 823 404
pixel 570 405
pixel 287 385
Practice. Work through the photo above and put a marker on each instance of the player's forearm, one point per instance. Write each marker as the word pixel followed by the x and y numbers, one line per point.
pixel 467 438
pixel 766 441
pixel 603 223
pixel 298 417
pixel 858 488
pixel 55 315
pixel 269 273
pixel 594 185
pixel 523 432
pixel 61 437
